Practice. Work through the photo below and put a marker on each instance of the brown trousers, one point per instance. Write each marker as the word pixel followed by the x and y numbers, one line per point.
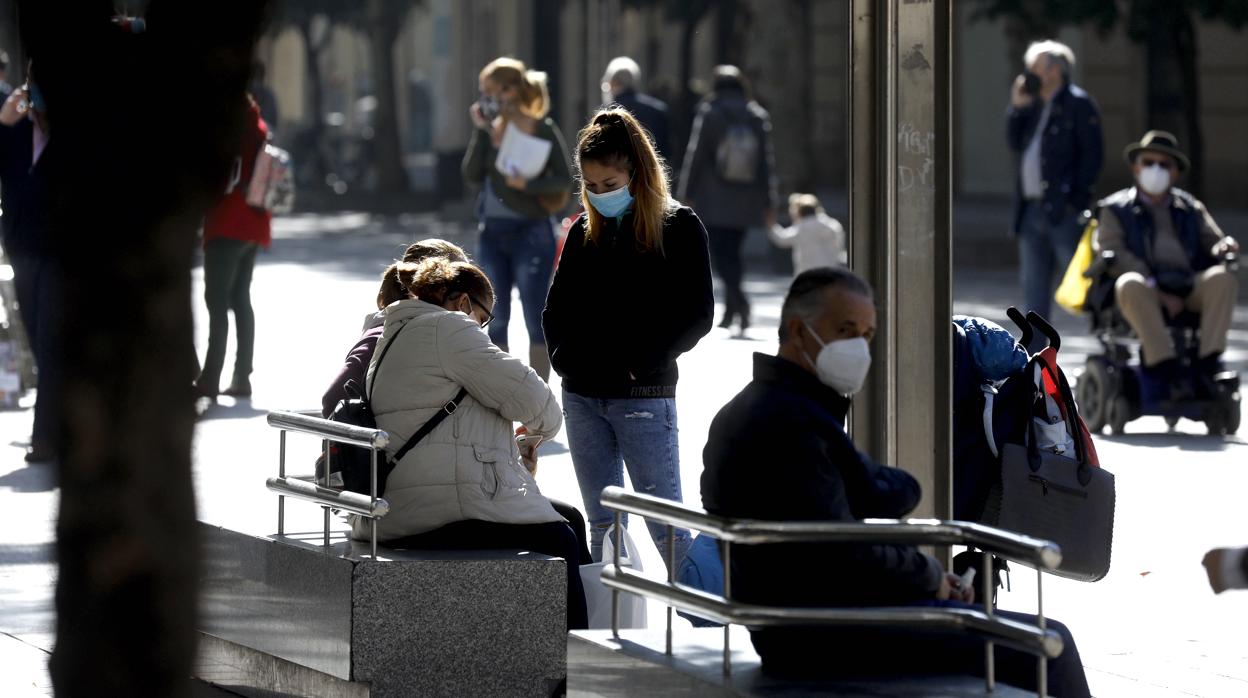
pixel 1213 297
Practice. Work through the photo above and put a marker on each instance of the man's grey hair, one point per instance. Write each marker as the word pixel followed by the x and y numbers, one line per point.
pixel 623 71
pixel 806 295
pixel 1056 51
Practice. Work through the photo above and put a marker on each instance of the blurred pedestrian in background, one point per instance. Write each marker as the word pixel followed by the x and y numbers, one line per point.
pixel 1055 129
pixel 817 239
pixel 234 232
pixel 728 177
pixel 621 86
pixel 632 293
pixel 27 163
pixel 517 244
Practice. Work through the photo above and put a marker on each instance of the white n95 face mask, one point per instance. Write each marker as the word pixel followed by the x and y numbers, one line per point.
pixel 842 364
pixel 1155 180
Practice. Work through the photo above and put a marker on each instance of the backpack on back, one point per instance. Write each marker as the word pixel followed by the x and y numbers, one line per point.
pixel 739 152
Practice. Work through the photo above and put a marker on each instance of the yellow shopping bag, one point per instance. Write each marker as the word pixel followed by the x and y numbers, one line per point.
pixel 1073 291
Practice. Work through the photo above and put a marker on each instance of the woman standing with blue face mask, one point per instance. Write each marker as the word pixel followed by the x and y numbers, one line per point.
pixel 632 293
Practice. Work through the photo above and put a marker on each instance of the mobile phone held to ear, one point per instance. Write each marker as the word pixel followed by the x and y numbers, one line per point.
pixel 1031 83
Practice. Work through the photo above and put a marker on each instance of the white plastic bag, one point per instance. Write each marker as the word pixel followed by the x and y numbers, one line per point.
pixel 598 595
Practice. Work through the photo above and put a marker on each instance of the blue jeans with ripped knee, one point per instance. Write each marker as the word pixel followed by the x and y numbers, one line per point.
pixel 607 435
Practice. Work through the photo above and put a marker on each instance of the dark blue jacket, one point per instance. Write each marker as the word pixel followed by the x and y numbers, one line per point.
pixel 25 190
pixel 1137 225
pixel 652 113
pixel 1071 151
pixel 779 452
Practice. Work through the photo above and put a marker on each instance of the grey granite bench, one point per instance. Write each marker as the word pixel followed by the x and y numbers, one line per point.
pixel 287 616
pixel 635 665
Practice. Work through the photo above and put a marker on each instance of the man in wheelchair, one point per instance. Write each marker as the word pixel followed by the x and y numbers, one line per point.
pixel 1169 259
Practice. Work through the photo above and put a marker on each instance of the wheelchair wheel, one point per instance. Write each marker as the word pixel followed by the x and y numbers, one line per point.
pixel 1215 421
pixel 1118 413
pixel 1232 417
pixel 1093 392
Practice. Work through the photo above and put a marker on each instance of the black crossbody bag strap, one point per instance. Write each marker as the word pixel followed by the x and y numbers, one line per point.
pixel 447 410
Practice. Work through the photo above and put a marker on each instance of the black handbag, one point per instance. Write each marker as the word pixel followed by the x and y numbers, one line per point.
pixel 1055 497
pixel 354 463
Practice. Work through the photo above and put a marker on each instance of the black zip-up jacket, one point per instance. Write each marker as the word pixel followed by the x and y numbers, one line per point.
pixel 617 316
pixel 779 452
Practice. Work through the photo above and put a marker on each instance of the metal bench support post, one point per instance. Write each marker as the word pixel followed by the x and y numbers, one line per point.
pixel 990 660
pixel 727 595
pixel 615 593
pixel 281 472
pixel 1042 662
pixel 671 579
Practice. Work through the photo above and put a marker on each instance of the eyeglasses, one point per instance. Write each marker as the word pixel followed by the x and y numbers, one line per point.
pixel 1150 162
pixel 489 317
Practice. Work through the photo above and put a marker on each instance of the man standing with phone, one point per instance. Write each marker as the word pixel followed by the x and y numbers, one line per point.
pixel 1054 127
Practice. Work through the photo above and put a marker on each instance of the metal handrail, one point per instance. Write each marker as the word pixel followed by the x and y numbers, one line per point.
pixel 369 506
pixel 326 429
pixel 1006 544
pixel 1037 640
pixel 350 502
pixel 1027 638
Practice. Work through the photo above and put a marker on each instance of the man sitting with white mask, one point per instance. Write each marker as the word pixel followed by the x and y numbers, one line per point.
pixel 1166 255
pixel 779 452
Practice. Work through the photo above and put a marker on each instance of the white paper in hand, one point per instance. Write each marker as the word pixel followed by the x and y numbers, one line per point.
pixel 522 155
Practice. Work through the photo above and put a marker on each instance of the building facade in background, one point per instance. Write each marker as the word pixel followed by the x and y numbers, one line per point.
pixel 794 52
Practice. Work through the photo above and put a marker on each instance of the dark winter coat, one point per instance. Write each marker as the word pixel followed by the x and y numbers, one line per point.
pixel 720 203
pixel 617 316
pixel 652 113
pixel 779 452
pixel 1071 152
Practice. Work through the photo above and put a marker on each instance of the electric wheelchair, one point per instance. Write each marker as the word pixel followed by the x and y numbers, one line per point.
pixel 1109 390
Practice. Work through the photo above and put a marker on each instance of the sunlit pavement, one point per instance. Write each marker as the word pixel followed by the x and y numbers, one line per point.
pixel 1152 627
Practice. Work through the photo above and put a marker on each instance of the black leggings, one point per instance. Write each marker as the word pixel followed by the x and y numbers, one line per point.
pixel 556 539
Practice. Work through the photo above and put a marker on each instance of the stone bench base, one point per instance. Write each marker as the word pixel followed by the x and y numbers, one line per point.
pixel 635 665
pixel 427 623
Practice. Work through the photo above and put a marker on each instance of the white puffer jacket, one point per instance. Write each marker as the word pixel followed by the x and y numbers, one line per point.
pixel 468 467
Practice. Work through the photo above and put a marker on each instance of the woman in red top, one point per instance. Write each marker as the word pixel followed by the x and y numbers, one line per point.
pixel 233 233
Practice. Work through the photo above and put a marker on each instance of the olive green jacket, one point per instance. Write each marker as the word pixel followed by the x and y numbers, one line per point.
pixel 556 179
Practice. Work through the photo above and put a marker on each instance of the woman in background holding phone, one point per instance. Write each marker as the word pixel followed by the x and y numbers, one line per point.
pixel 517 244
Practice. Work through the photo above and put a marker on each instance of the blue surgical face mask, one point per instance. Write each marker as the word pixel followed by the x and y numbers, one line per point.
pixel 613 203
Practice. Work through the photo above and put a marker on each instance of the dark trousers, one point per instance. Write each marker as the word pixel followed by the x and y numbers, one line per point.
pixel 813 653
pixel 228 266
pixel 725 248
pixel 37 282
pixel 555 539
pixel 576 520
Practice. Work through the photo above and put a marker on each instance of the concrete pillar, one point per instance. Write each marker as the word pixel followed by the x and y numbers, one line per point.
pixel 899 222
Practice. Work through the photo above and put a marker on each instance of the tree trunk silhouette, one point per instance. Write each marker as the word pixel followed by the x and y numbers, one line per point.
pixel 385 18
pixel 315 144
pixel 132 175
pixel 1173 85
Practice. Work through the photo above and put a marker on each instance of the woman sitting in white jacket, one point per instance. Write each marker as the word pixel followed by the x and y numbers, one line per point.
pixel 463 485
